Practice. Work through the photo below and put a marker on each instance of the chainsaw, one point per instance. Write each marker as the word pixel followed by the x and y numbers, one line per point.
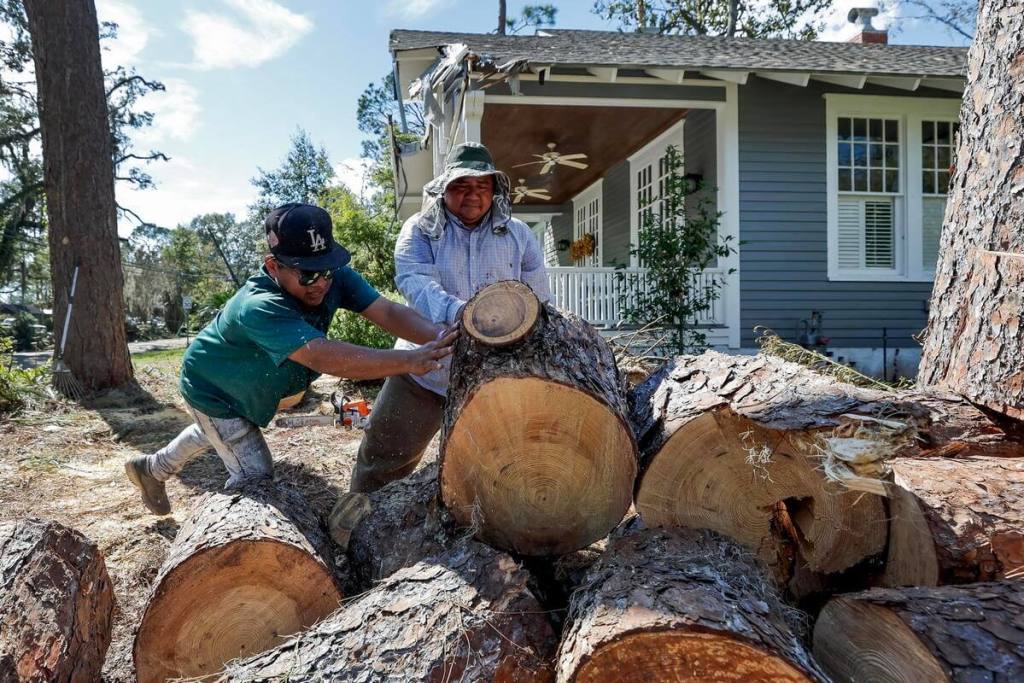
pixel 341 411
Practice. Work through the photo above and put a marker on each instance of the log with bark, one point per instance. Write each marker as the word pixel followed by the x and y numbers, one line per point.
pixel 680 605
pixel 56 604
pixel 756 447
pixel 948 633
pixel 536 451
pixel 248 568
pixel 974 343
pixel 955 521
pixel 466 615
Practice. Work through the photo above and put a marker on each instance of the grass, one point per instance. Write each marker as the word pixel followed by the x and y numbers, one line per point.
pixel 167 355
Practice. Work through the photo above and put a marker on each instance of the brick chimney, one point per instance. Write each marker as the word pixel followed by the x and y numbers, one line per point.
pixel 861 16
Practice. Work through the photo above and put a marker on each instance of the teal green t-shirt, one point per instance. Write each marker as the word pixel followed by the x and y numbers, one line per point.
pixel 238 365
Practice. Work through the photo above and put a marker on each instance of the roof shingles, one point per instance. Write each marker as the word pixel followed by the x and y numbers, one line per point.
pixel 640 50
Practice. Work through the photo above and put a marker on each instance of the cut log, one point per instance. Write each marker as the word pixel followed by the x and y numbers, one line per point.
pixel 56 604
pixel 680 605
pixel 736 444
pixel 247 569
pixel 406 524
pixel 974 343
pixel 536 451
pixel 464 616
pixel 908 635
pixel 955 521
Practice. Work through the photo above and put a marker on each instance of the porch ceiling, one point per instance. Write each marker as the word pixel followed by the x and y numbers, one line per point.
pixel 607 135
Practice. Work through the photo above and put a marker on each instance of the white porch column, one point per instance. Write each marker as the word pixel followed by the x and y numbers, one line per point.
pixel 472 116
pixel 728 155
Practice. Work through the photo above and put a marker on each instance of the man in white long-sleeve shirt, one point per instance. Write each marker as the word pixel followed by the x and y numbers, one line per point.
pixel 463 240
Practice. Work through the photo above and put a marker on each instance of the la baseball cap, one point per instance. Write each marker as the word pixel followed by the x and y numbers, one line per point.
pixel 301 236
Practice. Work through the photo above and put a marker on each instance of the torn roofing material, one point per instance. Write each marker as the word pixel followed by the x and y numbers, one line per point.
pixel 643 50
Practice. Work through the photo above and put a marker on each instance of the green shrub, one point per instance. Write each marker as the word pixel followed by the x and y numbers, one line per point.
pixel 18 386
pixel 24 332
pixel 355 329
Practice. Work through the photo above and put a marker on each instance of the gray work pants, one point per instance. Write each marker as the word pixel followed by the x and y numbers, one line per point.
pixel 238 442
pixel 404 419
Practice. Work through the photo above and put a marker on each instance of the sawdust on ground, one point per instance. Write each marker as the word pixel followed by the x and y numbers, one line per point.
pixel 66 463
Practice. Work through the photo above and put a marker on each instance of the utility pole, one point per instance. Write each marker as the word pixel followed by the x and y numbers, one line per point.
pixel 502 16
pixel 216 244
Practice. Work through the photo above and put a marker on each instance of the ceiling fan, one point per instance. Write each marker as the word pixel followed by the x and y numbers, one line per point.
pixel 521 192
pixel 551 158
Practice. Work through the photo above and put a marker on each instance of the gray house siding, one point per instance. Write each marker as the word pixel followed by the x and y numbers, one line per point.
pixel 783 229
pixel 615 207
pixel 561 227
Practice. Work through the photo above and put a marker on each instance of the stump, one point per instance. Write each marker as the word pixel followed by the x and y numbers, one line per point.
pixel 735 444
pixel 246 570
pixel 680 605
pixel 962 633
pixel 536 451
pixel 406 524
pixel 464 616
pixel 56 603
pixel 955 521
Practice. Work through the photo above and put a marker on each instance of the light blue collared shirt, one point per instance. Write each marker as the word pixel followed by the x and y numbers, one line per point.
pixel 437 277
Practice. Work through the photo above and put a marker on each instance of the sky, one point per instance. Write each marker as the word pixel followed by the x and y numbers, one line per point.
pixel 242 76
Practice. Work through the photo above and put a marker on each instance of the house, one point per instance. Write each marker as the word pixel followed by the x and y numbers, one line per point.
pixel 830 162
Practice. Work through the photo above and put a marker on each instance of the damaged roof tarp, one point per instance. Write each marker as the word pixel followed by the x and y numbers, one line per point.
pixel 451 72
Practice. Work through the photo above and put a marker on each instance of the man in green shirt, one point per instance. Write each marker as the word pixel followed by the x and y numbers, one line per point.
pixel 269 342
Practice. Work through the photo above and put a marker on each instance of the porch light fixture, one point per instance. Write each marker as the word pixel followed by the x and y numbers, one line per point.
pixel 693 181
pixel 563 245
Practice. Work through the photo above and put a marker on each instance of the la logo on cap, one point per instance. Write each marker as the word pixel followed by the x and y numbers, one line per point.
pixel 316 241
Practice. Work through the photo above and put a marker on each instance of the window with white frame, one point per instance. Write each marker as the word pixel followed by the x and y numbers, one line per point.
pixel 649 170
pixel 587 221
pixel 888 168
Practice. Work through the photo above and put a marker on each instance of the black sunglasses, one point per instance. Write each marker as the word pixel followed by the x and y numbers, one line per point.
pixel 310 277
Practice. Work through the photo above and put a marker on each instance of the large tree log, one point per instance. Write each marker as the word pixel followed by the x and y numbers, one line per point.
pixel 536 451
pixel 56 604
pixel 464 616
pixel 955 521
pixel 962 633
pixel 975 340
pixel 247 569
pixel 680 605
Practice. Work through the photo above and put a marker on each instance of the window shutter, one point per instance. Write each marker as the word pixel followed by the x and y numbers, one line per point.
pixel 879 235
pixel 850 233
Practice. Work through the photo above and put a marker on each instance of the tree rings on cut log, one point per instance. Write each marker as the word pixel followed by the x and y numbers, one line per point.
pixel 680 605
pixel 947 633
pixel 740 445
pixel 466 615
pixel 248 569
pixel 56 604
pixel 536 450
pixel 501 314
pixel 955 521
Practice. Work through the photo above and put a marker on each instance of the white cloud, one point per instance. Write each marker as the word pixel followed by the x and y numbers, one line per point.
pixel 132 32
pixel 184 190
pixel 838 27
pixel 261 30
pixel 354 173
pixel 176 112
pixel 415 9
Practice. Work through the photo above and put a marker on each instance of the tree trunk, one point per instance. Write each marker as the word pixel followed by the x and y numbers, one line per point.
pixel 406 524
pixel 246 570
pixel 955 521
pixel 975 340
pixel 56 604
pixel 502 17
pixel 464 616
pixel 963 633
pixel 680 605
pixel 79 176
pixel 536 450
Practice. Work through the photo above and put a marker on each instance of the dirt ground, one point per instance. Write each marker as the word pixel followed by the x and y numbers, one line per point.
pixel 65 462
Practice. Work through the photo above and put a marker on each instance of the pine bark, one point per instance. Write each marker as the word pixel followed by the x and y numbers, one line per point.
pixel 56 604
pixel 680 604
pixel 78 172
pixel 975 341
pixel 956 521
pixel 247 569
pixel 536 450
pixel 465 615
pixel 962 633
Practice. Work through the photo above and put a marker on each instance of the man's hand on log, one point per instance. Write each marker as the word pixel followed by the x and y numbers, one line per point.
pixel 428 357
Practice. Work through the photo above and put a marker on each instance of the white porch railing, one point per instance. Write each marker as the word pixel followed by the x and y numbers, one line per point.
pixel 594 293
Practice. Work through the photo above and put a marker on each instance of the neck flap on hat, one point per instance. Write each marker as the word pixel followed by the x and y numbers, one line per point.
pixel 434 217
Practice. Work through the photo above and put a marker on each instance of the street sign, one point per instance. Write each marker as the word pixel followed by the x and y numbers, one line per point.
pixel 186 303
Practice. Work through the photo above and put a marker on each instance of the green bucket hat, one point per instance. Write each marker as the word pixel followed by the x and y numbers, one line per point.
pixel 466 159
